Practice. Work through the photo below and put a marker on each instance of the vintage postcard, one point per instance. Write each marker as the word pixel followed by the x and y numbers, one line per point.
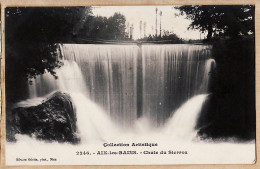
pixel 130 85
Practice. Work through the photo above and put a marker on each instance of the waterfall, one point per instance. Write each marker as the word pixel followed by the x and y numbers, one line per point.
pixel 70 79
pixel 92 122
pixel 182 123
pixel 110 73
pixel 171 75
pixel 209 65
pixel 117 84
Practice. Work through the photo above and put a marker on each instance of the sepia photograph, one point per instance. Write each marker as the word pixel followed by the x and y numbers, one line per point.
pixel 130 85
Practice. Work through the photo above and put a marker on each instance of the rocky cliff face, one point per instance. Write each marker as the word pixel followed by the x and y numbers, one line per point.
pixel 53 120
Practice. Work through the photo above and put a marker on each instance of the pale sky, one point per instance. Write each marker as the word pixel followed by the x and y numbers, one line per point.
pixel 135 14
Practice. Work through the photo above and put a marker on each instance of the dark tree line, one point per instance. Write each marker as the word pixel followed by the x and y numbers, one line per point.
pixel 169 38
pixel 226 20
pixel 112 28
pixel 40 29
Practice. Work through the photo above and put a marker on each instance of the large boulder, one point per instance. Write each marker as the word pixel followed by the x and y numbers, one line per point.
pixel 53 120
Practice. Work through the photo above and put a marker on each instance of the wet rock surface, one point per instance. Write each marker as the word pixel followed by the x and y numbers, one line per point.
pixel 53 120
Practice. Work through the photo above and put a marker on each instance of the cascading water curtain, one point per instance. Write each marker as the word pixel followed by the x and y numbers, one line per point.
pixel 130 81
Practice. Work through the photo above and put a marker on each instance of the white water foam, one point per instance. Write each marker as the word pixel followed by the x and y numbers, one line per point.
pixel 182 123
pixel 96 128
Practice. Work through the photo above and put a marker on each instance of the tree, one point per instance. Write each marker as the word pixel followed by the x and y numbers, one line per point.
pixel 98 27
pixel 31 40
pixel 116 26
pixel 33 34
pixel 36 32
pixel 230 20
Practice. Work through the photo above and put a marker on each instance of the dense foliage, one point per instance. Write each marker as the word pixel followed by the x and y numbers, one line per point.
pixel 103 28
pixel 36 31
pixel 32 36
pixel 169 38
pixel 232 21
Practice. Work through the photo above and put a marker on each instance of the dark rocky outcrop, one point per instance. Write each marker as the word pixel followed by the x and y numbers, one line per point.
pixel 53 120
pixel 213 125
pixel 229 111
